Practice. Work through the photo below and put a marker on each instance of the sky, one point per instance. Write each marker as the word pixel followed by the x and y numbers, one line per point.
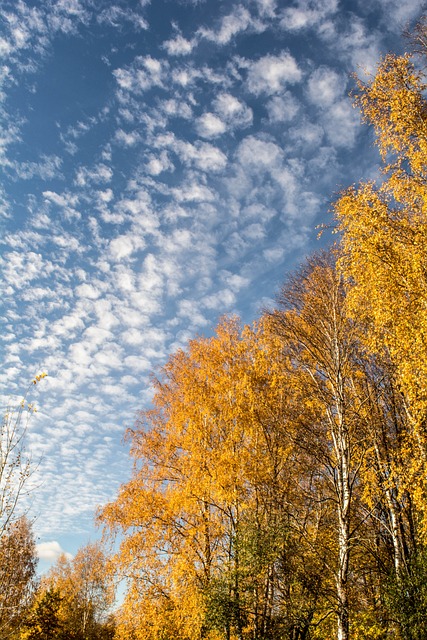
pixel 163 163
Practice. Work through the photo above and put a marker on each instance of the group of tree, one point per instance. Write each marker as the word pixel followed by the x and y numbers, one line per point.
pixel 280 475
pixel 73 600
pixel 279 482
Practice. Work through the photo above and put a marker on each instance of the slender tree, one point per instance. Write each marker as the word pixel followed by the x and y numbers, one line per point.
pixel 384 234
pixel 15 463
pixel 323 346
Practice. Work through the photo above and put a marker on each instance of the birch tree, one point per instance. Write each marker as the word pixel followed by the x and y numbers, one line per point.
pixel 384 235
pixel 322 342
pixel 85 591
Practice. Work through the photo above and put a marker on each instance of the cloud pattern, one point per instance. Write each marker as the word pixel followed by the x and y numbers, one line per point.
pixel 163 165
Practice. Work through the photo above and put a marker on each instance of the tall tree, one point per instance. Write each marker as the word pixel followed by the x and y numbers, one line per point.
pixel 205 518
pixel 18 562
pixel 323 347
pixel 384 234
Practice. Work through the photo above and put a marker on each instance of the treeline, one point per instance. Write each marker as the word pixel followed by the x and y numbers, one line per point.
pixel 279 482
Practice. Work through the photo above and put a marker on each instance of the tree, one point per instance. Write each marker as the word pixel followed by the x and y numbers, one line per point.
pixel 205 521
pixel 384 234
pixel 322 343
pixel 44 619
pixel 83 594
pixel 18 562
pixel 15 464
pixel 17 547
pixel 406 597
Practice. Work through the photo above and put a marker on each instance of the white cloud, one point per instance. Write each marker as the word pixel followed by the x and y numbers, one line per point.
pixel 68 325
pixel 66 201
pixel 100 173
pixel 138 364
pixel 22 29
pixel 123 246
pixel 87 291
pixel 274 254
pixel 210 126
pixel 220 301
pixel 232 110
pixel 48 166
pixel 270 74
pixel 253 232
pixel 178 46
pixel 307 133
pixel 127 139
pixel 124 279
pixel 325 86
pixel 234 280
pixel 342 124
pixel 37 293
pixel 19 269
pixel 283 108
pixel 115 16
pixel 158 164
pixel 133 337
pixel 254 153
pixel 79 355
pixel 193 192
pixel 109 357
pixel 176 108
pixel 66 16
pixel 190 310
pixel 398 14
pixel 267 7
pixel 307 13
pixel 354 43
pixel 231 25
pixel 202 155
pixel 51 551
pixel 106 196
pixel 5 47
pixel 145 72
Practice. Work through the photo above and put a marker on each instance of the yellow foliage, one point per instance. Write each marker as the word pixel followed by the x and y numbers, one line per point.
pixel 202 456
pixel 384 240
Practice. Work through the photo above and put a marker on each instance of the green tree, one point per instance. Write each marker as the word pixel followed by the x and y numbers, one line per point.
pixel 44 621
pixel 406 598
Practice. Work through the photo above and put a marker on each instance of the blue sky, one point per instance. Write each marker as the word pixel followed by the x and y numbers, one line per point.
pixel 163 163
